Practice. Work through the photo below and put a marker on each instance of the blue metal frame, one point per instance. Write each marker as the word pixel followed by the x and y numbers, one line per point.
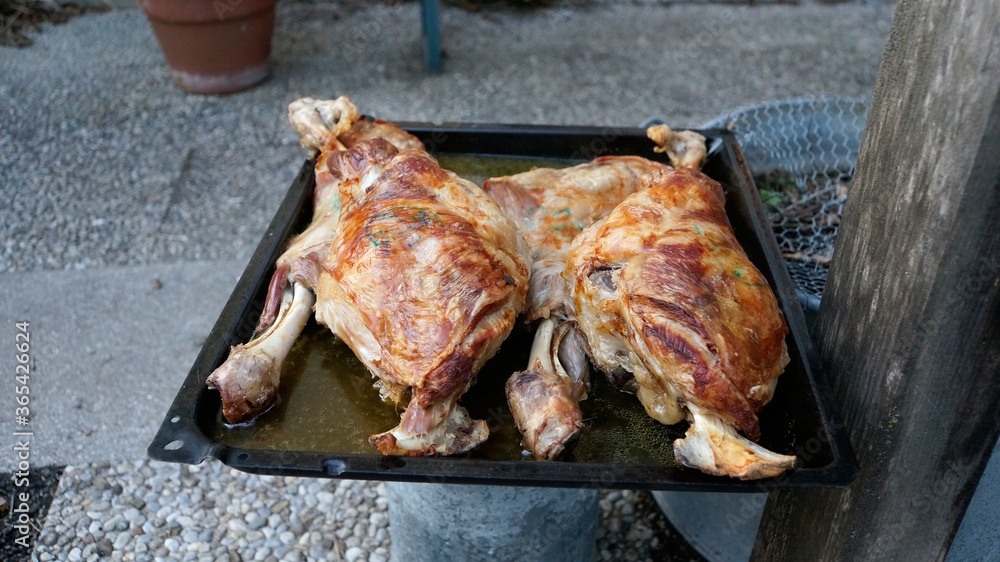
pixel 430 14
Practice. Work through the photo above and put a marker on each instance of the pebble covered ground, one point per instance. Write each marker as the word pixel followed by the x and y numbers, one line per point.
pixel 147 510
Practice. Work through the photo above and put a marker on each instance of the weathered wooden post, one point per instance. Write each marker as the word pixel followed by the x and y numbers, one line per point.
pixel 910 323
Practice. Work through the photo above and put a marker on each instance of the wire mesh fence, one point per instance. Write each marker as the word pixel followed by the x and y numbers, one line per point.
pixel 802 155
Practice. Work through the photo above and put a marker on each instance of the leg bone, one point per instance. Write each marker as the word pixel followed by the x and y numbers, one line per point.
pixel 248 379
pixel 713 446
pixel 545 398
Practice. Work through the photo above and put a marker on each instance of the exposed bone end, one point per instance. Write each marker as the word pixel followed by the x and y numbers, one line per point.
pixel 248 379
pixel 545 398
pixel 320 122
pixel 686 149
pixel 457 433
pixel 544 413
pixel 714 447
pixel 247 382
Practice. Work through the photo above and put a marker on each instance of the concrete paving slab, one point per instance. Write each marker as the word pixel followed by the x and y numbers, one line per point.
pixel 109 350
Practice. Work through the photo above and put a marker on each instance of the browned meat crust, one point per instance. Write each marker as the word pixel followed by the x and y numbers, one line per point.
pixel 663 289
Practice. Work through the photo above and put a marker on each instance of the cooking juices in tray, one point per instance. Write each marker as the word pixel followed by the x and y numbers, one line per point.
pixel 327 403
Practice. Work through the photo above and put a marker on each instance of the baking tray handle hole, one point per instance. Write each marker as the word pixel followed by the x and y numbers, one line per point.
pixel 334 467
pixel 173 445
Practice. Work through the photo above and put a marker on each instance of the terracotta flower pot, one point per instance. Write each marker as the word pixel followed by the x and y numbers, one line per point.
pixel 213 46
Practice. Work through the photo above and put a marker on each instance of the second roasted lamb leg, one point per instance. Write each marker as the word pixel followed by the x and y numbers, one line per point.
pixel 550 207
pixel 662 289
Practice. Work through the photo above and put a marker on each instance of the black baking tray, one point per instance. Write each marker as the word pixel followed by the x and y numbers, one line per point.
pixel 327 407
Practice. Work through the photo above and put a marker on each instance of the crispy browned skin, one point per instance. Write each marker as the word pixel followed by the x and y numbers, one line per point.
pixel 423 281
pixel 663 289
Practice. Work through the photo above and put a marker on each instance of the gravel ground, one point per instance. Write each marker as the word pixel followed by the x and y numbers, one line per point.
pixel 148 510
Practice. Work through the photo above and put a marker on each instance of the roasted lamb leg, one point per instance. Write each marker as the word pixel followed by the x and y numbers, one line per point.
pixel 423 281
pixel 662 289
pixel 417 270
pixel 550 207
pixel 248 379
